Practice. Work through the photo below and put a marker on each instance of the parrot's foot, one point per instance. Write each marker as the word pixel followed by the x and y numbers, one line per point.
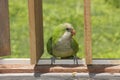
pixel 75 58
pixel 53 60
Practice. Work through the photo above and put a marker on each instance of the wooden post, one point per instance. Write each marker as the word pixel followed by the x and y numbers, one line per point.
pixel 87 32
pixel 4 28
pixel 36 29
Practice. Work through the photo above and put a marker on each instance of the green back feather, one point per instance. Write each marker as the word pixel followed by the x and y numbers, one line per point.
pixel 57 33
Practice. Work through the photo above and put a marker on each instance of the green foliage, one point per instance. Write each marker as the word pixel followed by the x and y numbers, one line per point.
pixel 104 19
pixel 115 3
pixel 105 29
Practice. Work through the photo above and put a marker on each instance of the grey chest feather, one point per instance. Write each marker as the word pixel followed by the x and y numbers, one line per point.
pixel 63 49
pixel 63 46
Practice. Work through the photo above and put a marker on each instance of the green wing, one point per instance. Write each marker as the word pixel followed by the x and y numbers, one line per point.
pixel 74 45
pixel 49 46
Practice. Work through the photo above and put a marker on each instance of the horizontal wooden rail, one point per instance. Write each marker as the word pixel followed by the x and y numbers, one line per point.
pixel 24 66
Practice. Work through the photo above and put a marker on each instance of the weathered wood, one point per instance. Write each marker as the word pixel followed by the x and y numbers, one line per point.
pixel 23 66
pixel 36 29
pixel 4 28
pixel 87 32
pixel 27 68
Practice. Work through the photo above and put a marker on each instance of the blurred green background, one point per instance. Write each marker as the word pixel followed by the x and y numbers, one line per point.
pixel 105 22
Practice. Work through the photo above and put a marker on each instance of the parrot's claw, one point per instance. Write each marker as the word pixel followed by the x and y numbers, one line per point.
pixel 53 60
pixel 75 60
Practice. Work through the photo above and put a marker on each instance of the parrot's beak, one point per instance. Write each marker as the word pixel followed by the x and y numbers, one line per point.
pixel 73 32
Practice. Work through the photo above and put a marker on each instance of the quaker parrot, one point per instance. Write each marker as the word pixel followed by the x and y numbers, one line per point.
pixel 62 43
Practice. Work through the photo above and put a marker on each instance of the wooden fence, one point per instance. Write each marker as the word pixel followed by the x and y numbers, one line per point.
pixel 36 30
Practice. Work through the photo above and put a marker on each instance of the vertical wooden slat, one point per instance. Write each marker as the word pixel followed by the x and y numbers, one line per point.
pixel 87 32
pixel 36 29
pixel 4 28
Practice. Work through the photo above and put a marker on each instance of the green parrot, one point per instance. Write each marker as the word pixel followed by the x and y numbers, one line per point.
pixel 62 43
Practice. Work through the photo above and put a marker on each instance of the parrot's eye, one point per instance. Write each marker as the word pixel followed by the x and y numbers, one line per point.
pixel 67 29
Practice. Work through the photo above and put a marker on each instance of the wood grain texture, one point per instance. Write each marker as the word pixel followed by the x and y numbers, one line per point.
pixel 4 28
pixel 87 32
pixel 26 68
pixel 36 29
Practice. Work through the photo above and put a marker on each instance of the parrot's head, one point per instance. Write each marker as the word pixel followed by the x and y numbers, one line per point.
pixel 63 32
pixel 68 28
